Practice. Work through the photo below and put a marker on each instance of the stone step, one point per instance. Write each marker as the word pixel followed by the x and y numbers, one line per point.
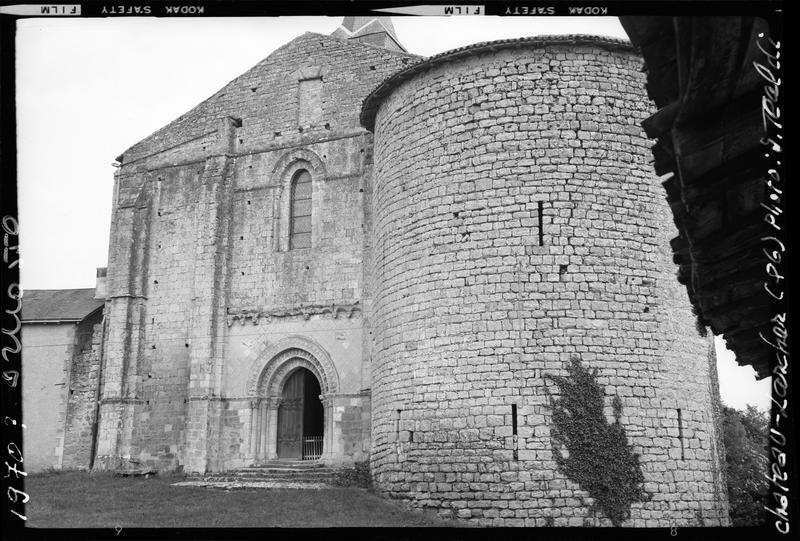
pixel 234 478
pixel 284 468
pixel 272 475
pixel 302 464
pixel 276 472
pixel 269 469
pixel 239 484
pixel 276 479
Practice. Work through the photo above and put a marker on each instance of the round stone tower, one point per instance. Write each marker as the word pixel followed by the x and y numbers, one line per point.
pixel 535 360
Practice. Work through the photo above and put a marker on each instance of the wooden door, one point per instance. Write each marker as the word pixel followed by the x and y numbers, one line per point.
pixel 290 417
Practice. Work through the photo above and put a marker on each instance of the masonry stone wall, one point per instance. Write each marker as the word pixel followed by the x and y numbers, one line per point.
pixel 163 366
pixel 517 226
pixel 266 97
pixel 503 223
pixel 200 273
pixel 82 394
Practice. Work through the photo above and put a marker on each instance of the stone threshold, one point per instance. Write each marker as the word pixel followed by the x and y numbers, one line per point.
pixel 233 485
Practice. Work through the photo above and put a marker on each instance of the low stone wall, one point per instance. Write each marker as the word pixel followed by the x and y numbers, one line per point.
pixel 82 395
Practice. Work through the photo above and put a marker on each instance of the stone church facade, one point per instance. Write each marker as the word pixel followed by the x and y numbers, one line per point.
pixel 351 253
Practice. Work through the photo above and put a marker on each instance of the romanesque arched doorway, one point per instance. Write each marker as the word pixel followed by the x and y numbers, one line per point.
pixel 301 420
pixel 291 388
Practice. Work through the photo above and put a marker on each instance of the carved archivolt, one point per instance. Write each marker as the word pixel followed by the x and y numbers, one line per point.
pixel 277 361
pixel 298 158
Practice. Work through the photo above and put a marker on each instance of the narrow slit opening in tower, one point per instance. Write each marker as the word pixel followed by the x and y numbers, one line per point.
pixel 680 433
pixel 541 223
pixel 514 431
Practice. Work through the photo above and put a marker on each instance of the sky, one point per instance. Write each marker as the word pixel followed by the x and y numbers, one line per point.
pixel 88 89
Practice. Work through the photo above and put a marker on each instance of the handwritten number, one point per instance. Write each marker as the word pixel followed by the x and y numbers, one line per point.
pixel 11 229
pixel 11 377
pixel 23 517
pixel 14 469
pixel 16 349
pixel 13 495
pixel 10 225
pixel 14 452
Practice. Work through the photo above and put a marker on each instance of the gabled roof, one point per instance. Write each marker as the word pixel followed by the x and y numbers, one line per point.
pixel 59 305
pixel 227 100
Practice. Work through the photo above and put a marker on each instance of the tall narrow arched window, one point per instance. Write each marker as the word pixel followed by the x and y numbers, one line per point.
pixel 300 212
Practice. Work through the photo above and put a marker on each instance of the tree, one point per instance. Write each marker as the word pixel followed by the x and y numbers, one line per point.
pixel 746 454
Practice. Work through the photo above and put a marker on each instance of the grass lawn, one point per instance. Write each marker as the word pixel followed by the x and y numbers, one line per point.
pixel 83 500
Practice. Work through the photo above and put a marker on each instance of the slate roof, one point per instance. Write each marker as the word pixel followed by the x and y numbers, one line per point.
pixel 355 27
pixel 58 304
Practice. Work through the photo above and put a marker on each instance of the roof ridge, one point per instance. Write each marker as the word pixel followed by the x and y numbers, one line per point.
pixel 212 96
pixel 357 43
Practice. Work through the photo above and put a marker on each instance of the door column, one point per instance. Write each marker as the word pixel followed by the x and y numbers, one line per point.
pixel 328 439
pixel 255 420
pixel 271 432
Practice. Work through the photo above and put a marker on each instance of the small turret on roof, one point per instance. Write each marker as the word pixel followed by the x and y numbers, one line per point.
pixel 377 31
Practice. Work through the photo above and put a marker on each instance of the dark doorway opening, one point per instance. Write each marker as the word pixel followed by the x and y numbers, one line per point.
pixel 300 417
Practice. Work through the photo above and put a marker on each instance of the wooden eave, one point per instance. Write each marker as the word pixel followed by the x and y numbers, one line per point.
pixel 707 130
